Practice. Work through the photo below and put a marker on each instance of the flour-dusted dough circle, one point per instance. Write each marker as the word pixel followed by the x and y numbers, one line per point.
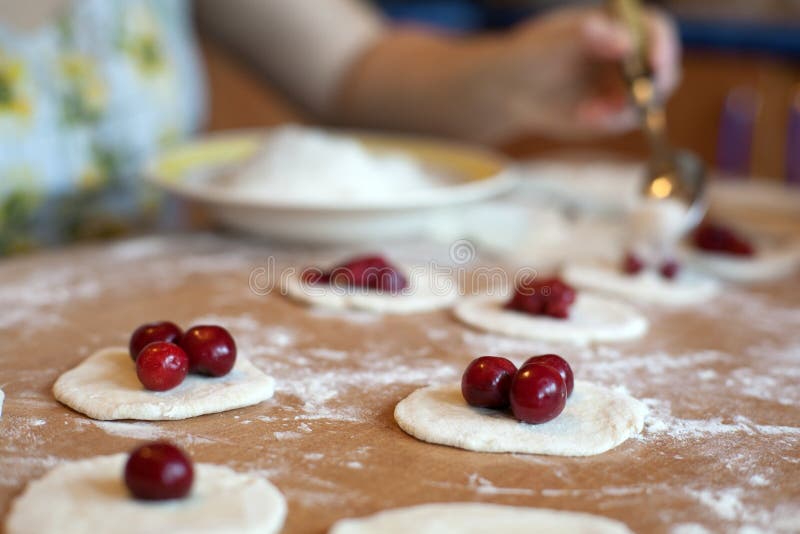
pixel 685 289
pixel 426 291
pixel 592 318
pixel 89 496
pixel 105 386
pixel 595 420
pixel 478 518
pixel 772 261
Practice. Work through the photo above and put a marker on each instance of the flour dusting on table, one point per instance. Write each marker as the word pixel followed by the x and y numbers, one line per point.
pixel 720 384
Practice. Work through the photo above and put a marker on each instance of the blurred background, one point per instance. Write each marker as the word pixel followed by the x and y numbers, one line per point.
pixel 738 105
pixel 92 89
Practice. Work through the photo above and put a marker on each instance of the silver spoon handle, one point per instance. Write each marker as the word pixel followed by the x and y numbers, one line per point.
pixel 639 76
pixel 629 13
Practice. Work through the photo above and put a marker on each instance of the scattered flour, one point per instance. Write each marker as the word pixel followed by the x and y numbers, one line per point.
pixel 739 445
pixel 35 301
pixel 146 431
pixel 484 486
pixel 706 374
pixel 481 486
pixel 660 421
pixel 319 390
pixel 758 313
pixel 282 436
pixel 726 504
pixel 486 343
pixel 603 491
pixel 38 299
pixel 689 528
pixel 328 354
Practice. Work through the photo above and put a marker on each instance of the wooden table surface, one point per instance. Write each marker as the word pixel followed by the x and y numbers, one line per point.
pixel 720 448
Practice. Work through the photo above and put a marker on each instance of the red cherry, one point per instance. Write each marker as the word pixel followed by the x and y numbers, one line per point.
pixel 718 238
pixel 632 264
pixel 741 248
pixel 312 275
pixel 538 394
pixel 372 272
pixel 487 381
pixel 150 332
pixel 527 300
pixel 159 471
pixel 669 269
pixel 550 296
pixel 162 366
pixel 559 364
pixel 558 309
pixel 210 348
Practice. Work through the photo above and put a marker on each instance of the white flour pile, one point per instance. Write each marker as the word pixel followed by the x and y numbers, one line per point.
pixel 308 166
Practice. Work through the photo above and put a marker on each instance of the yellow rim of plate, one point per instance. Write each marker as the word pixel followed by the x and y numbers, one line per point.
pixel 472 164
pixel 173 165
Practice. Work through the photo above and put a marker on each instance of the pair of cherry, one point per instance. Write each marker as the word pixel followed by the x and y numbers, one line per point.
pixel 714 237
pixel 633 264
pixel 551 297
pixel 164 354
pixel 368 272
pixel 536 392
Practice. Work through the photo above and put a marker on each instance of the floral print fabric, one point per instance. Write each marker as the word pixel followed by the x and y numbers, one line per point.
pixel 84 101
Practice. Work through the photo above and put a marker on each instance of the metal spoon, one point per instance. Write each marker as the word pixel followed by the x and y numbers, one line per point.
pixel 671 173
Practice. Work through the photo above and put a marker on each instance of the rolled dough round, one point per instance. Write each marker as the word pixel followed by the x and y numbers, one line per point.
pixel 595 420
pixel 773 260
pixel 104 386
pixel 89 496
pixel 425 292
pixel 592 318
pixel 478 518
pixel 648 286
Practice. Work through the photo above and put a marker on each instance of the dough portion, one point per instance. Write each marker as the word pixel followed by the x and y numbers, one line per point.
pixel 592 318
pixel 595 420
pixel 89 496
pixel 425 292
pixel 648 286
pixel 773 260
pixel 478 518
pixel 104 386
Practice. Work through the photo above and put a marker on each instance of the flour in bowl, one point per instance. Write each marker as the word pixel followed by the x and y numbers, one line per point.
pixel 309 166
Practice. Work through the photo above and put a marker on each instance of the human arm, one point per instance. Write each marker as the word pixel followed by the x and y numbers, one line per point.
pixel 556 75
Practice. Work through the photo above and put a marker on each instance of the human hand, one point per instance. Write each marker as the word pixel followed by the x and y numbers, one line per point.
pixel 560 75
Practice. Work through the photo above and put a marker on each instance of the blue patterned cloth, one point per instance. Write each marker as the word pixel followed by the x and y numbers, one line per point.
pixel 84 101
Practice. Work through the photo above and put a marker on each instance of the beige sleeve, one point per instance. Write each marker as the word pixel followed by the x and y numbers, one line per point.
pixel 304 46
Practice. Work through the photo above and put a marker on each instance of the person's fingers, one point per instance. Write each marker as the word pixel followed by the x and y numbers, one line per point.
pixel 607 39
pixel 611 114
pixel 604 38
pixel 665 51
pixel 602 108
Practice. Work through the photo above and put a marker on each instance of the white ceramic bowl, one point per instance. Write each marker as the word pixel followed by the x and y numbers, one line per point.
pixel 192 170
